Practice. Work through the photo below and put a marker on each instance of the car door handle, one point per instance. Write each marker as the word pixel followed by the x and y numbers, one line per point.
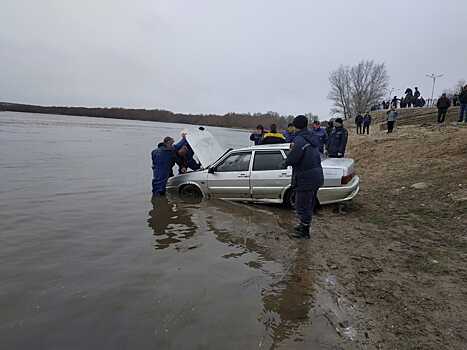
pixel 284 174
pixel 243 175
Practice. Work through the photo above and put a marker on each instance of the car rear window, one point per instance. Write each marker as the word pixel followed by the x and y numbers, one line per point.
pixel 272 160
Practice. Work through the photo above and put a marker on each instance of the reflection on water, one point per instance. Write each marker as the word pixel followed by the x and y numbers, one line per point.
pixel 261 232
pixel 170 221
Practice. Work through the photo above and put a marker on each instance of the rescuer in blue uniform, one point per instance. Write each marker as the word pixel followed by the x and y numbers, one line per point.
pixel 307 174
pixel 163 160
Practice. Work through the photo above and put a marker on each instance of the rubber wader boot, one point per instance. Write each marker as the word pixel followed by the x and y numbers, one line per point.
pixel 302 231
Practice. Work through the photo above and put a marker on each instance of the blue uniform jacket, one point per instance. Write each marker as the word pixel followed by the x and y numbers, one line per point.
pixel 190 161
pixel 256 138
pixel 305 160
pixel 323 138
pixel 163 160
pixel 289 136
pixel 337 142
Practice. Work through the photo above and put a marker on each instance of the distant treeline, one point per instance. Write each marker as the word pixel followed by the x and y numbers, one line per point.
pixel 229 120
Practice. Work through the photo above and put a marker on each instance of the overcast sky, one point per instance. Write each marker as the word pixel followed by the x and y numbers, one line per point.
pixel 219 56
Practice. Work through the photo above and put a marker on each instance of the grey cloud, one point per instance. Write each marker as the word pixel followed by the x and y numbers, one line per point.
pixel 220 56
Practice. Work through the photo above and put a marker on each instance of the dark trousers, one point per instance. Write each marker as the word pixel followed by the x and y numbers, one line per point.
pixel 390 126
pixel 359 129
pixel 367 129
pixel 463 112
pixel 305 202
pixel 442 115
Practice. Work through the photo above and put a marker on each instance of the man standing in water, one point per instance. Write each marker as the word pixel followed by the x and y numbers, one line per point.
pixel 307 174
pixel 163 160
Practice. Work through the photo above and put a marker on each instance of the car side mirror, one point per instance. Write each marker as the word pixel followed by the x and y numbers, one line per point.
pixel 211 170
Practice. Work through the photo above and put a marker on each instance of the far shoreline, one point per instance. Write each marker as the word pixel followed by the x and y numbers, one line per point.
pixel 240 121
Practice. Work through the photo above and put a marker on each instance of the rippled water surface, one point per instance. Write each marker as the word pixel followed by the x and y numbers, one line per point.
pixel 88 261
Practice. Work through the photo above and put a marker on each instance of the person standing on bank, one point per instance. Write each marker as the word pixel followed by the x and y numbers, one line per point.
pixel 359 123
pixel 366 123
pixel 321 134
pixel 272 136
pixel 443 104
pixel 463 103
pixel 337 141
pixel 257 135
pixel 391 119
pixel 307 174
pixel 289 133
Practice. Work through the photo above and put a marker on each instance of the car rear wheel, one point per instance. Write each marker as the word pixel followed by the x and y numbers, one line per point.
pixel 191 193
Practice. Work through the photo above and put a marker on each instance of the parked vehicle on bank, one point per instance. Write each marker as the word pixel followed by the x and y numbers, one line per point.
pixel 257 174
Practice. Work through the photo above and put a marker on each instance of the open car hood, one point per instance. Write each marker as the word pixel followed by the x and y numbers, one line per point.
pixel 205 146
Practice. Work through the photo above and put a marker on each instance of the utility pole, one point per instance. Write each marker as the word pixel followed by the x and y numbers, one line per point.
pixel 434 77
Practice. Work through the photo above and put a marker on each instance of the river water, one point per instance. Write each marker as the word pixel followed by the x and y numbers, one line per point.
pixel 88 261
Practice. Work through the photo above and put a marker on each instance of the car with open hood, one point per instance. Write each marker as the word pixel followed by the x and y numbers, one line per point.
pixel 257 174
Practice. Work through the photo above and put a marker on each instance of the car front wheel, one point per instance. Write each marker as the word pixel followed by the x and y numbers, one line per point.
pixel 191 193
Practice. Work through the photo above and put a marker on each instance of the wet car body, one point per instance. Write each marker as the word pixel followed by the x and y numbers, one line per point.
pixel 256 174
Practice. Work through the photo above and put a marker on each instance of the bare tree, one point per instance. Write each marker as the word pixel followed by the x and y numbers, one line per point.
pixel 340 91
pixel 356 89
pixel 456 89
pixel 369 81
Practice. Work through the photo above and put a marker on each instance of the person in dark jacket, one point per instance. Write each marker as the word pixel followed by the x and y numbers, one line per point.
pixel 463 103
pixel 366 123
pixel 321 134
pixel 272 136
pixel 409 97
pixel 184 156
pixel 359 123
pixel 289 134
pixel 337 140
pixel 163 160
pixel 416 94
pixel 307 174
pixel 402 103
pixel 329 127
pixel 257 136
pixel 443 104
pixel 394 101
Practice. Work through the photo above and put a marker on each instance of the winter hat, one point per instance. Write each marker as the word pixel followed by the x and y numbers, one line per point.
pixel 300 122
pixel 339 121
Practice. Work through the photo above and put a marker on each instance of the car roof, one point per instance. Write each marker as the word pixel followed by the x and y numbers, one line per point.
pixel 277 146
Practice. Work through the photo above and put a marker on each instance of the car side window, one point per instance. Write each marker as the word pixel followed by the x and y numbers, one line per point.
pixel 235 162
pixel 271 160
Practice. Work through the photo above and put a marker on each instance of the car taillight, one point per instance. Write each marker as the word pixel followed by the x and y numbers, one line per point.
pixel 347 178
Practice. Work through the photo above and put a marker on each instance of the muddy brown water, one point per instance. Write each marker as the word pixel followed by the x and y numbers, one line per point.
pixel 89 261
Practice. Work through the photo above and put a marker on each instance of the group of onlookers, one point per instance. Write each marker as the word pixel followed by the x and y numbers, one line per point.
pixel 332 140
pixel 444 102
pixel 363 123
pixel 412 98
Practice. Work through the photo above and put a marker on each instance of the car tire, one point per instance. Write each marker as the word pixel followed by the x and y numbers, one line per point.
pixel 190 193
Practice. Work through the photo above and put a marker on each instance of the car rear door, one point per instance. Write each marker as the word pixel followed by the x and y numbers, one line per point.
pixel 231 177
pixel 268 176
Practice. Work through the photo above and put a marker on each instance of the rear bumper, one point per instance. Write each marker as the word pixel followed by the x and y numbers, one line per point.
pixel 328 195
